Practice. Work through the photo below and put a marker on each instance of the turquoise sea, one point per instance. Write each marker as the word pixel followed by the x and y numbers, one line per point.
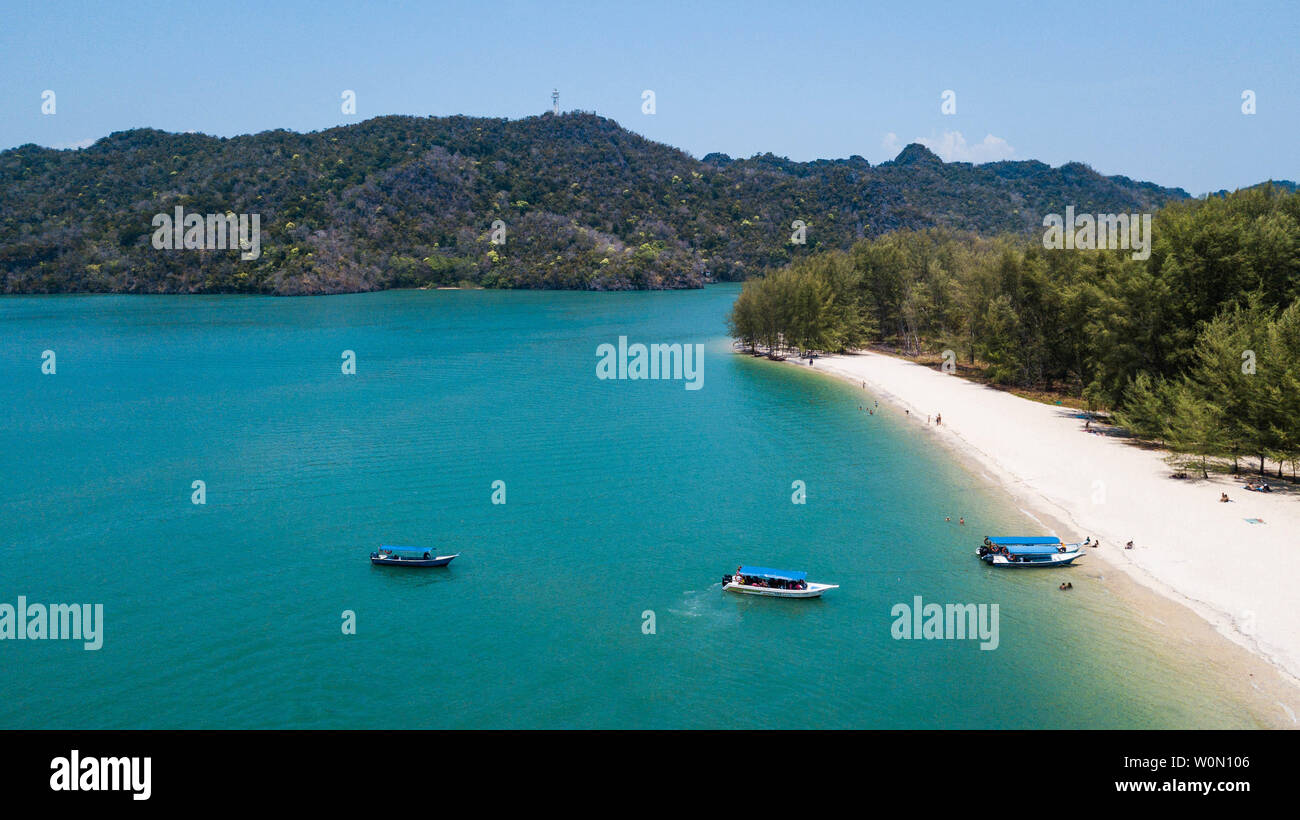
pixel 622 498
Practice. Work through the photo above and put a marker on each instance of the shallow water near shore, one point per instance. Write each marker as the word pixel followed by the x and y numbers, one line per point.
pixel 625 501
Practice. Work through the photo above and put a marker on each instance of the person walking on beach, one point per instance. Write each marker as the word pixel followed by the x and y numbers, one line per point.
pixel 938 419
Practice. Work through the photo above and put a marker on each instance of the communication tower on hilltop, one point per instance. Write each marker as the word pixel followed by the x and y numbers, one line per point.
pixel 555 101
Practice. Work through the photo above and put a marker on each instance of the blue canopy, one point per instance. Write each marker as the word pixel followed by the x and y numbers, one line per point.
pixel 764 572
pixel 413 550
pixel 1024 540
pixel 1033 549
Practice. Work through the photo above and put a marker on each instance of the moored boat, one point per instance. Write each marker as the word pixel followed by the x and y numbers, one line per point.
pixel 1021 552
pixel 409 557
pixel 774 583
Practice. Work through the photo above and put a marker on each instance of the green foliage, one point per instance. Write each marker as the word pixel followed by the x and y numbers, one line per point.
pixel 1197 346
pixel 587 205
pixel 812 305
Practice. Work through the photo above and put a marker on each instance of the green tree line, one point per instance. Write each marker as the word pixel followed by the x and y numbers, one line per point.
pixel 1196 346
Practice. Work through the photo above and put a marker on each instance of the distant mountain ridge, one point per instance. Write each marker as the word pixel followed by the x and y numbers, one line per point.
pixel 400 201
pixel 1281 184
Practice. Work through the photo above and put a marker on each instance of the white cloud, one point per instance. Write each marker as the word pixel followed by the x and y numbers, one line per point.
pixel 952 147
pixel 78 145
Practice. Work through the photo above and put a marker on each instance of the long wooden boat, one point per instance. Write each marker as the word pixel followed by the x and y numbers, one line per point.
pixel 774 583
pixel 1026 552
pixel 387 556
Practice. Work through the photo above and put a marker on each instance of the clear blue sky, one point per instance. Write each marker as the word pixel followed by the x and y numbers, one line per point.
pixel 1144 89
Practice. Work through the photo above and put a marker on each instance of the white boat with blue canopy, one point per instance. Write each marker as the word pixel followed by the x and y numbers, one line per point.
pixel 774 583
pixel 1022 552
pixel 387 556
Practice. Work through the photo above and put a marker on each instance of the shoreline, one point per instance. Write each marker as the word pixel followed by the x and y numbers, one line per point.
pixel 1079 484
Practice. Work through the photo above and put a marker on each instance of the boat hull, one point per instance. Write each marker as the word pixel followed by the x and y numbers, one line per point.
pixel 813 590
pixel 413 563
pixel 1063 559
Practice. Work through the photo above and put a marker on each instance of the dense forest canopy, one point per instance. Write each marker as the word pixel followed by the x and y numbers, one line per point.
pixel 1197 346
pixel 410 202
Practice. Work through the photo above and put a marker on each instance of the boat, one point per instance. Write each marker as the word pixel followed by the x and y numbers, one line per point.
pixel 387 556
pixel 1021 552
pixel 774 583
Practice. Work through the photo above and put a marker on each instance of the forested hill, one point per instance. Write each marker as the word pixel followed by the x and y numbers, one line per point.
pixel 406 202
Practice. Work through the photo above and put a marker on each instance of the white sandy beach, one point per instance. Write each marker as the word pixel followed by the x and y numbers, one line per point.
pixel 1243 578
